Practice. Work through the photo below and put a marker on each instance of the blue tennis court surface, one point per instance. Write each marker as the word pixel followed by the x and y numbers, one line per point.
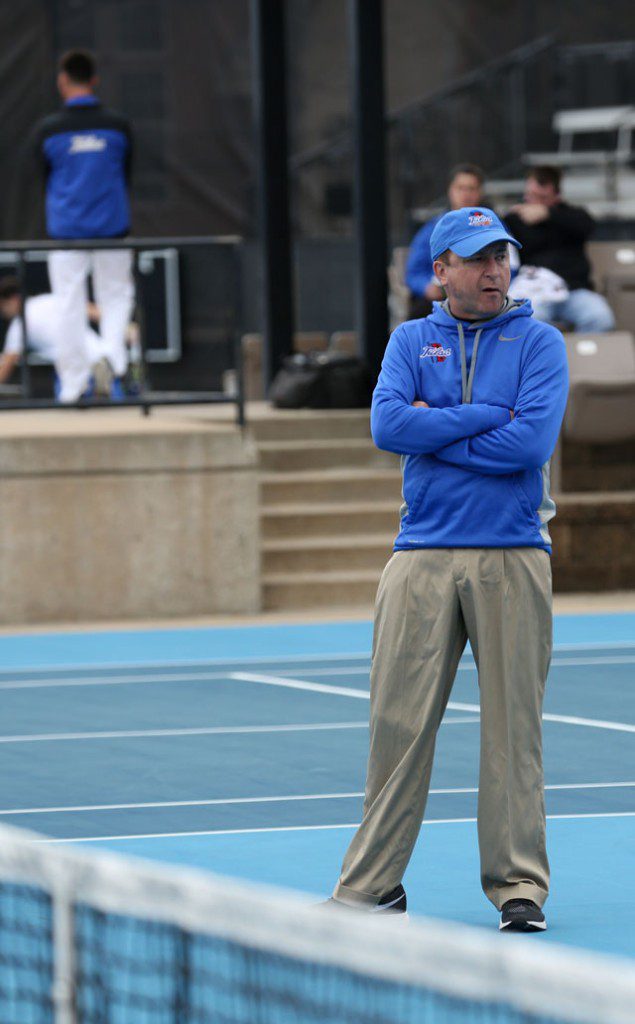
pixel 243 750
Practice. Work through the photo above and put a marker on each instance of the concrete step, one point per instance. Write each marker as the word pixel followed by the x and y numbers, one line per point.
pixel 320 589
pixel 316 424
pixel 329 520
pixel 315 554
pixel 292 456
pixel 330 485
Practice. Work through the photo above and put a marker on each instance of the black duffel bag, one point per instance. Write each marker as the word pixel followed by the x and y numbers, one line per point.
pixel 321 380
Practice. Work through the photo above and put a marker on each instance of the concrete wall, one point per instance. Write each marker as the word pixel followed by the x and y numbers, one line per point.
pixel 112 516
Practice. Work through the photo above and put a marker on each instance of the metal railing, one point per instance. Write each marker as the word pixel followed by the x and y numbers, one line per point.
pixel 146 399
pixel 490 116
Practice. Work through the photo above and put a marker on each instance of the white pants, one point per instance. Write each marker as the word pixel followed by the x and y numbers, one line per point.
pixel 114 294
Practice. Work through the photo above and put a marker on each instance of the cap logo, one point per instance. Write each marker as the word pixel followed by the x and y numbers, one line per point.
pixel 477 219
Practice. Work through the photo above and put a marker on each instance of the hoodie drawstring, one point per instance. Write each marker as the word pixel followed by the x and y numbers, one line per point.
pixel 467 381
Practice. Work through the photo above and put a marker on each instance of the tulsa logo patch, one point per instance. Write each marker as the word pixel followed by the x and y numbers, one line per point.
pixel 479 220
pixel 436 352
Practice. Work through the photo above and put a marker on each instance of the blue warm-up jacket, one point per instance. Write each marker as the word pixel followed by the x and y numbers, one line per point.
pixel 85 152
pixel 472 476
pixel 419 272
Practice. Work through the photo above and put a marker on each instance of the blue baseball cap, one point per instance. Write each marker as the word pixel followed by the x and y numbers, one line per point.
pixel 467 231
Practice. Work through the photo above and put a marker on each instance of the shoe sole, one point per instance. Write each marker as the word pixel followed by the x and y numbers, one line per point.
pixel 525 926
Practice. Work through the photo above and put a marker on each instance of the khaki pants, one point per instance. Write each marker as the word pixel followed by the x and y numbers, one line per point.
pixel 429 602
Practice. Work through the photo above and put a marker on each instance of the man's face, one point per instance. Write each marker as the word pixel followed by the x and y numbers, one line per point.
pixel 545 195
pixel 476 285
pixel 464 190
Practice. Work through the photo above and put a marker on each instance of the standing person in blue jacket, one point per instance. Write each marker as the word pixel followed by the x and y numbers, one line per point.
pixel 465 188
pixel 85 152
pixel 472 398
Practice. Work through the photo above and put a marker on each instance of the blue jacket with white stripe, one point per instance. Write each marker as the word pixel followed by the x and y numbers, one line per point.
pixel 86 152
pixel 472 475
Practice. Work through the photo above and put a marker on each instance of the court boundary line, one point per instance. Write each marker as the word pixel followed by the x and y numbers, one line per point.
pixel 300 684
pixel 212 730
pixel 253 659
pixel 146 676
pixel 307 828
pixel 291 798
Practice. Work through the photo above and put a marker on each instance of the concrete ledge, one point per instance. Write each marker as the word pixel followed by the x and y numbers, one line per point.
pixel 117 516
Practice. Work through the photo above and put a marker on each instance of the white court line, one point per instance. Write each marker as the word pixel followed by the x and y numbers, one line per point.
pixel 142 676
pixel 213 730
pixel 591 723
pixel 41 684
pixel 305 828
pixel 300 684
pixel 279 799
pixel 191 677
pixel 204 731
pixel 131 666
pixel 470 666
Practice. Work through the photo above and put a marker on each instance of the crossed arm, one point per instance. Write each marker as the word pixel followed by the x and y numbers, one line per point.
pixel 482 438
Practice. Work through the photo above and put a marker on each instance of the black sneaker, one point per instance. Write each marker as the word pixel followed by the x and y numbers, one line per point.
pixel 394 902
pixel 522 916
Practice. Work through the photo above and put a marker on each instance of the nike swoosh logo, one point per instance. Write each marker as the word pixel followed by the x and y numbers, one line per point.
pixel 501 337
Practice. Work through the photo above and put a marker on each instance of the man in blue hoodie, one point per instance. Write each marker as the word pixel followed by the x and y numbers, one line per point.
pixel 85 153
pixel 472 397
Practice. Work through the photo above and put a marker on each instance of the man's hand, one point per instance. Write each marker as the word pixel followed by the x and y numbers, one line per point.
pixel 531 213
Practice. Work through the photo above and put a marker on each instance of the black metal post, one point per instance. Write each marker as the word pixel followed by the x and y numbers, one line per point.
pixel 25 372
pixel 370 178
pixel 270 105
pixel 239 361
pixel 144 381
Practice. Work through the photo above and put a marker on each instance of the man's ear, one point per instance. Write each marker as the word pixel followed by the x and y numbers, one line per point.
pixel 440 271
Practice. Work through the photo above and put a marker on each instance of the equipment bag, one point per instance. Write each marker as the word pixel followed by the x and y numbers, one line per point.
pixel 321 380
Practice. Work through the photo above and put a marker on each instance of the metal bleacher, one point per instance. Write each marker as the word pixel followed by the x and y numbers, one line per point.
pixel 600 178
pixel 617 123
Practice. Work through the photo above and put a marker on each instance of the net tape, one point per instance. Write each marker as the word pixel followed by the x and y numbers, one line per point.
pixel 456 962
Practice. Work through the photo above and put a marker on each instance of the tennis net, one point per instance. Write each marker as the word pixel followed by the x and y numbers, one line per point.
pixel 100 939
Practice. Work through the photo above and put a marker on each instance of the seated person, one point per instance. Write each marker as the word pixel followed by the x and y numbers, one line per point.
pixel 553 234
pixel 465 188
pixel 44 323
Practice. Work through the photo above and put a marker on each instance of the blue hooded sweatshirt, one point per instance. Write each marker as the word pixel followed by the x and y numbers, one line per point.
pixel 472 475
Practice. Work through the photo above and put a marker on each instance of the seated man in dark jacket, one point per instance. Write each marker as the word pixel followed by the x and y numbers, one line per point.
pixel 553 235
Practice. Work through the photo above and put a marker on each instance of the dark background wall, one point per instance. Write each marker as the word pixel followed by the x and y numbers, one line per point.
pixel 181 70
pixel 178 68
